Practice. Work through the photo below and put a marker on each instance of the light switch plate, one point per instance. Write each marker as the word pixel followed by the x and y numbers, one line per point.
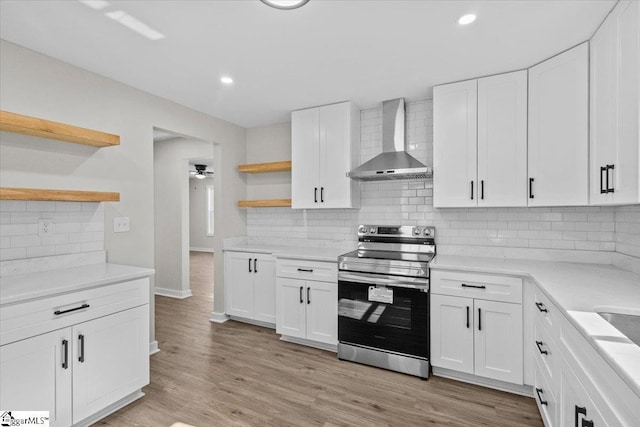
pixel 121 224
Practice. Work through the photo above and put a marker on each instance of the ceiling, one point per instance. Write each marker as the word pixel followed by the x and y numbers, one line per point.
pixel 324 52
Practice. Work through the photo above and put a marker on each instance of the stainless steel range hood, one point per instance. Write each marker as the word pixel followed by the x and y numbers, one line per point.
pixel 394 162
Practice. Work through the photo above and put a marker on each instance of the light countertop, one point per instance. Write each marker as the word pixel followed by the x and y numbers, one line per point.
pixel 292 252
pixel 23 287
pixel 580 291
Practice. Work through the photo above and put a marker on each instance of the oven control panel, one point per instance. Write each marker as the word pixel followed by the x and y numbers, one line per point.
pixel 397 231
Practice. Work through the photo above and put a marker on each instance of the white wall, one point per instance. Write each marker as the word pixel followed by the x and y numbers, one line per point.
pixel 40 86
pixel 269 144
pixel 198 239
pixel 171 167
pixel 585 233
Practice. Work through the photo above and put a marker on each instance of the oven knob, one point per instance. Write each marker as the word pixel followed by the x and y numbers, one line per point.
pixel 362 229
pixel 372 230
pixel 416 231
pixel 427 232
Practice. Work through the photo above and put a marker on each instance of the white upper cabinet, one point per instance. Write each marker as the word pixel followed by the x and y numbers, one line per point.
pixel 502 140
pixel 454 144
pixel 615 113
pixel 325 142
pixel 480 142
pixel 558 130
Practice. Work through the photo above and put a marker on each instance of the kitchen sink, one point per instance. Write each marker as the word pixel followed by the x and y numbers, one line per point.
pixel 628 324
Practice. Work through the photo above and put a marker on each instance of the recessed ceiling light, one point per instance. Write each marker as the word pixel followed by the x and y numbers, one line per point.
pixel 134 24
pixel 95 4
pixel 285 4
pixel 467 19
pixel 226 80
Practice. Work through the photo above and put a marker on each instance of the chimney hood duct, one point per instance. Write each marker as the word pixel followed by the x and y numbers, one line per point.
pixel 394 162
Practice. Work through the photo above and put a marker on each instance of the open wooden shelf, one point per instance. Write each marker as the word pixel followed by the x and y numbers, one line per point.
pixel 57 195
pixel 17 123
pixel 266 167
pixel 274 203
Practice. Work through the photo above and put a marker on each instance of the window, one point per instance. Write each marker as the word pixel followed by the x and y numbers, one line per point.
pixel 209 210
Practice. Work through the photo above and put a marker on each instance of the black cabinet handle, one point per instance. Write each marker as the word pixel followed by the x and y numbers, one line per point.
pixel 81 353
pixel 610 189
pixel 531 188
pixel 464 285
pixel 321 194
pixel 250 271
pixel 479 319
pixel 306 270
pixel 65 358
pixel 539 393
pixel 539 345
pixel 587 423
pixel 255 265
pixel 301 300
pixel 580 410
pixel 308 296
pixel 58 312
pixel 467 317
pixel 471 189
pixel 482 189
pixel 602 189
pixel 315 194
pixel 541 307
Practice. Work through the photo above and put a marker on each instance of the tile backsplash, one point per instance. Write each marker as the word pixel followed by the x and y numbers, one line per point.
pixel 78 227
pixel 568 232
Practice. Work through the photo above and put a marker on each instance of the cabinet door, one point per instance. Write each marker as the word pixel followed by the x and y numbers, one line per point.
pixel 625 176
pixel 305 154
pixel 336 122
pixel 498 341
pixel 558 129
pixel 239 279
pixel 322 312
pixel 110 360
pixel 264 287
pixel 33 376
pixel 454 144
pixel 502 140
pixel 290 307
pixel 576 407
pixel 452 333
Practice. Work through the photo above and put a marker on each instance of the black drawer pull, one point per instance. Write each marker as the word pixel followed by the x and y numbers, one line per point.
pixel 467 317
pixel 471 190
pixel 301 300
pixel 315 194
pixel 321 194
pixel 531 188
pixel 610 189
pixel 539 393
pixel 65 360
pixel 255 265
pixel 464 285
pixel 541 307
pixel 81 352
pixel 580 410
pixel 602 170
pixel 58 312
pixel 308 297
pixel 482 189
pixel 539 345
pixel 306 270
pixel 479 319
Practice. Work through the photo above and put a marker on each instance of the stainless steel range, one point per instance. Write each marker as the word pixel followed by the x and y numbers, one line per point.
pixel 383 298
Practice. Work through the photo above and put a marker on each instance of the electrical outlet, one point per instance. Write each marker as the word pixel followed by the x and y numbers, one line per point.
pixel 45 226
pixel 121 224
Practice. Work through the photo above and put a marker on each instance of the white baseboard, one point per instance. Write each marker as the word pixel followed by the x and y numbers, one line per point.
pixel 523 390
pixel 322 346
pixel 254 322
pixel 172 293
pixel 218 317
pixel 92 419
pixel 153 348
pixel 197 249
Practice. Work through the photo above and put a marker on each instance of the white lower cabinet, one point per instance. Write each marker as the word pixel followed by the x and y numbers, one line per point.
pixel 576 408
pixel 84 367
pixel 34 376
pixel 250 286
pixel 473 335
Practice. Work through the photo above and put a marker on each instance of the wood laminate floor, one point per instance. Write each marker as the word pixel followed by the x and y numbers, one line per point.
pixel 234 374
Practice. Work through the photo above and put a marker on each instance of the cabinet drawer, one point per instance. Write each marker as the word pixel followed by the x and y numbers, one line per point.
pixel 479 286
pixel 545 396
pixel 546 351
pixel 307 270
pixel 23 320
pixel 546 313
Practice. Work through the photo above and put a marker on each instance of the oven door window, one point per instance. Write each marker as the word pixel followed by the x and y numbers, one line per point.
pixel 400 326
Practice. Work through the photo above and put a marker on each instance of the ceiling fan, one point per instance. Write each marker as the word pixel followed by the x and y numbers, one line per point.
pixel 201 172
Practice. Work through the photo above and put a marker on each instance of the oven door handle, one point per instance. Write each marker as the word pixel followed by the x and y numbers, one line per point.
pixel 385 280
